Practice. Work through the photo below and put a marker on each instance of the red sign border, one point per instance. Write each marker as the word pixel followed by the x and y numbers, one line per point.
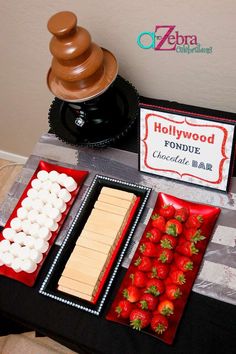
pixel 191 114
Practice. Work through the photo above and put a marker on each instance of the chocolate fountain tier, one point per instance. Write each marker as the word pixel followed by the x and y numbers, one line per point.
pixel 80 69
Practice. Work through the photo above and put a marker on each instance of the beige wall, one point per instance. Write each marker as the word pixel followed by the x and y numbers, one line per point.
pixel 198 79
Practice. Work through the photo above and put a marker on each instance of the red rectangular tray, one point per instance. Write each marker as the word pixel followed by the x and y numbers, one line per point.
pixel 210 215
pixel 79 176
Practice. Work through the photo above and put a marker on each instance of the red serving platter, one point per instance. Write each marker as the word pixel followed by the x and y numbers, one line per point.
pixel 210 215
pixel 79 176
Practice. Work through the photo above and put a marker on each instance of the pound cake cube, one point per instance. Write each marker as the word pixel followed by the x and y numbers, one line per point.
pixel 74 293
pixel 114 209
pixel 113 192
pixel 114 201
pixel 93 245
pixel 107 240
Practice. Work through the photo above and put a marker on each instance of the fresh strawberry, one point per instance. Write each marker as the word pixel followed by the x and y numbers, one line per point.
pixel 166 308
pixel 148 302
pixel 159 324
pixel 183 263
pixel 177 277
pixel 155 287
pixel 168 241
pixel 193 235
pixel 143 263
pixel 154 235
pixel 158 222
pixel 164 255
pixel 139 279
pixel 173 291
pixel 182 214
pixel 167 211
pixel 131 293
pixel 124 308
pixel 139 319
pixel 159 270
pixel 173 227
pixel 187 248
pixel 148 249
pixel 194 221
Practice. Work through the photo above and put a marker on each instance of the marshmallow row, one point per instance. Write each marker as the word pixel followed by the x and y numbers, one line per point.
pixel 53 178
pixel 22 257
pixel 26 240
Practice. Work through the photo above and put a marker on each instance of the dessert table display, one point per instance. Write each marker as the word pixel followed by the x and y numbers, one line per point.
pixel 57 310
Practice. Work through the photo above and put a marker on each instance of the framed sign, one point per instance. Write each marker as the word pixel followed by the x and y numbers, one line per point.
pixel 186 143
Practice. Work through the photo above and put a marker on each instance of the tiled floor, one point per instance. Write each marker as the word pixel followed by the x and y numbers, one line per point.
pixel 25 343
pixel 8 172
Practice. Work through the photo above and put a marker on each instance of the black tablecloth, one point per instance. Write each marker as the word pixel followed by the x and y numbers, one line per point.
pixel 207 326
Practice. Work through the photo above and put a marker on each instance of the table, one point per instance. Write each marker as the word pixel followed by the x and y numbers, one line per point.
pixel 207 326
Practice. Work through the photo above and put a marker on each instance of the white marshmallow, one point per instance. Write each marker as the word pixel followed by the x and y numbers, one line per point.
pixel 44 195
pixel 15 249
pixel 54 227
pixel 61 179
pixel 51 225
pixel 46 185
pixel 32 193
pixel 24 252
pixel 16 224
pixel 5 245
pixel 41 245
pixel 46 209
pixel 36 256
pixel 70 184
pixel 22 213
pixel 52 213
pixel 29 241
pixel 26 226
pixel 48 223
pixel 7 258
pixel 16 264
pixel 59 204
pixel 64 195
pixel 34 229
pixel 41 219
pixel 36 184
pixel 27 203
pixel 47 205
pixel 53 176
pixel 64 208
pixel 55 188
pixel 55 214
pixel 42 175
pixel 20 238
pixel 44 233
pixel 53 196
pixel 28 266
pixel 58 218
pixel 33 215
pixel 9 234
pixel 37 205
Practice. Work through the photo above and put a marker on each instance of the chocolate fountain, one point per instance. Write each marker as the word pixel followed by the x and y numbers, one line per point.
pixel 94 106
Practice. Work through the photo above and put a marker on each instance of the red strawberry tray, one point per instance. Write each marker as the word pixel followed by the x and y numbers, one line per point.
pixel 26 240
pixel 156 286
